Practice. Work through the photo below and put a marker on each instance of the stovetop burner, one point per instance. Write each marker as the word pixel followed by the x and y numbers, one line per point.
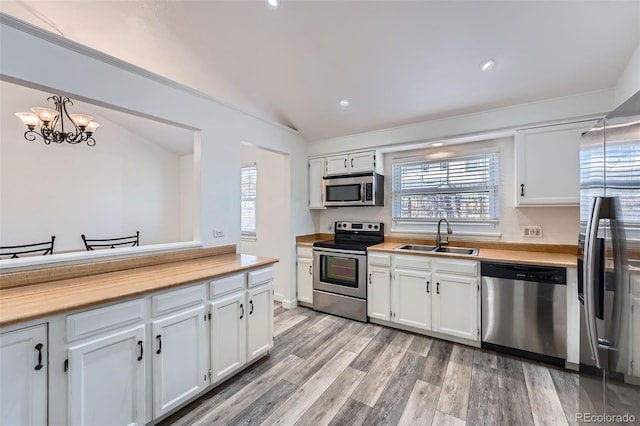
pixel 356 236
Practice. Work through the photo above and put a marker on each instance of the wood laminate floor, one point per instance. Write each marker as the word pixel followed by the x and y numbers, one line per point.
pixel 326 370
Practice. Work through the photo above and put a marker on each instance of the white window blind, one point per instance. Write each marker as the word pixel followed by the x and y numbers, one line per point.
pixel 461 188
pixel 248 201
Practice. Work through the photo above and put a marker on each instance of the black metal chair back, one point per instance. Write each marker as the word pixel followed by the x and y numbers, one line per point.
pixel 131 241
pixel 14 252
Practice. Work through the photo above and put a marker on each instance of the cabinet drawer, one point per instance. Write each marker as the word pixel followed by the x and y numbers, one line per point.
pixel 456 266
pixel 261 276
pixel 379 259
pixel 412 262
pixel 305 251
pixel 178 299
pixel 96 321
pixel 226 285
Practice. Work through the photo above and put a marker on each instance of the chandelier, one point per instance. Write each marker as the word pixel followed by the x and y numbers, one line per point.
pixel 48 120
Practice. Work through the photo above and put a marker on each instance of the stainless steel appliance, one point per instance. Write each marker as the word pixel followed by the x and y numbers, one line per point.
pixel 340 269
pixel 609 256
pixel 524 310
pixel 354 190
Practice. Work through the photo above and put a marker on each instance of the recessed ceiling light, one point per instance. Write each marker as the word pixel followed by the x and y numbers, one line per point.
pixel 344 103
pixel 437 144
pixel 487 64
pixel 273 3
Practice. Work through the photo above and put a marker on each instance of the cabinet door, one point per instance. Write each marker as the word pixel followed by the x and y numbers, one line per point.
pixel 259 321
pixel 337 165
pixel 379 292
pixel 305 280
pixel 179 353
pixel 228 335
pixel 23 376
pixel 455 306
pixel 316 173
pixel 362 162
pixel 411 298
pixel 548 164
pixel 106 380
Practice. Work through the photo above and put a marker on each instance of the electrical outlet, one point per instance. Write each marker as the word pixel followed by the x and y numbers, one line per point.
pixel 532 231
pixel 218 232
pixel 330 227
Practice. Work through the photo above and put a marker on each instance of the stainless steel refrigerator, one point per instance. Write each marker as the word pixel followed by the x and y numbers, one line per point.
pixel 609 269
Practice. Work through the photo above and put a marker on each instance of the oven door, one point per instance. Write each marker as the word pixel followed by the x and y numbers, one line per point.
pixel 340 271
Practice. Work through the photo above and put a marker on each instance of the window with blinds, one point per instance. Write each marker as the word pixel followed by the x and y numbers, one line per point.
pixel 248 201
pixel 460 188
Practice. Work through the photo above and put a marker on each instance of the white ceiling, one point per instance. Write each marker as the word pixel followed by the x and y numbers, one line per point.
pixel 398 62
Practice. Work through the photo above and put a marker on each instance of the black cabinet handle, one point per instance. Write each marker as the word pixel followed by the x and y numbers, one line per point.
pixel 38 348
pixel 310 270
pixel 352 163
pixel 370 278
pixel 251 303
pixel 242 308
pixel 159 337
pixel 427 286
pixel 522 189
pixel 141 350
pixel 345 163
pixel 438 288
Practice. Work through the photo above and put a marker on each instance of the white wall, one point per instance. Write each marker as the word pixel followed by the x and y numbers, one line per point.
pixel 273 217
pixel 85 74
pixel 629 82
pixel 121 185
pixel 559 224
pixel 187 197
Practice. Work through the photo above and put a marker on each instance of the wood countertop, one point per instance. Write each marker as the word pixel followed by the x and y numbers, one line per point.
pixel 27 302
pixel 566 260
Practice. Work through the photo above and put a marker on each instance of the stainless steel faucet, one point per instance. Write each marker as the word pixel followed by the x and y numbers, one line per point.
pixel 439 241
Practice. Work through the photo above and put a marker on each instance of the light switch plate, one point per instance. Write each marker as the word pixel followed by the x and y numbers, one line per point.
pixel 532 231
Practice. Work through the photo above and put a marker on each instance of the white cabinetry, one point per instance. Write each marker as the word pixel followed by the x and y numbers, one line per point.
pixel 427 293
pixel 304 275
pixel 241 321
pixel 379 286
pixel 316 174
pixel 352 163
pixel 106 379
pixel 411 291
pixel 23 376
pixel 179 347
pixel 548 164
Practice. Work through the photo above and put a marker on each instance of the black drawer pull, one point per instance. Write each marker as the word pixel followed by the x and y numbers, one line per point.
pixel 522 189
pixel 141 350
pixel 251 303
pixel 438 288
pixel 427 286
pixel 38 348
pixel 159 337
pixel 242 308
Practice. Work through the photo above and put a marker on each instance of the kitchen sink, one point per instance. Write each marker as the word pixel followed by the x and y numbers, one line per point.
pixel 416 247
pixel 434 249
pixel 457 250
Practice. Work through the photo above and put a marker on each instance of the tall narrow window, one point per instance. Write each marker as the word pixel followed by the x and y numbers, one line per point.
pixel 248 201
pixel 464 189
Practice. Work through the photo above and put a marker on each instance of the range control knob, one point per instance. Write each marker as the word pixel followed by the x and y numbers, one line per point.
pixel 339 225
pixel 375 226
pixel 370 226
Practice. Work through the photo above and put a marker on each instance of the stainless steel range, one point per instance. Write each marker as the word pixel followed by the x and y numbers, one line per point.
pixel 340 269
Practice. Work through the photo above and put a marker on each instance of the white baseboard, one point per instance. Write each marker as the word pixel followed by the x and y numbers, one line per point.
pixel 289 304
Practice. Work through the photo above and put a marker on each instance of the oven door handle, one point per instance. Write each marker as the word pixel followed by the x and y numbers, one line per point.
pixel 339 251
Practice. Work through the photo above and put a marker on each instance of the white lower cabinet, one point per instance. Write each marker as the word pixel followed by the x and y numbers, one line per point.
pixel 411 298
pixel 259 321
pixel 179 350
pixel 106 380
pixel 304 275
pixel 228 335
pixel 455 306
pixel 426 293
pixel 23 376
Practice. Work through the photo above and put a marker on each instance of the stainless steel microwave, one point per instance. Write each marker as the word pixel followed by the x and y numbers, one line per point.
pixel 353 190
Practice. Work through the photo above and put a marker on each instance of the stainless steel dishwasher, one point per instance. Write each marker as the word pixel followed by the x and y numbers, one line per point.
pixel 524 310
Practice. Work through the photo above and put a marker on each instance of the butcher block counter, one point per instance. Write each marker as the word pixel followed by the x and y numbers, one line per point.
pixel 35 294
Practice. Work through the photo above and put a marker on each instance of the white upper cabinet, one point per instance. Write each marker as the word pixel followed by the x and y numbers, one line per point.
pixel 316 173
pixel 548 164
pixel 353 163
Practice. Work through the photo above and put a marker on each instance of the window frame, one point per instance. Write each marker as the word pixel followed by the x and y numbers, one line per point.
pixel 245 234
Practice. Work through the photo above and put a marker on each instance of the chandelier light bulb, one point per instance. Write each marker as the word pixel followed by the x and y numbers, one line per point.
pixel 29 119
pixel 81 120
pixel 91 127
pixel 45 114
